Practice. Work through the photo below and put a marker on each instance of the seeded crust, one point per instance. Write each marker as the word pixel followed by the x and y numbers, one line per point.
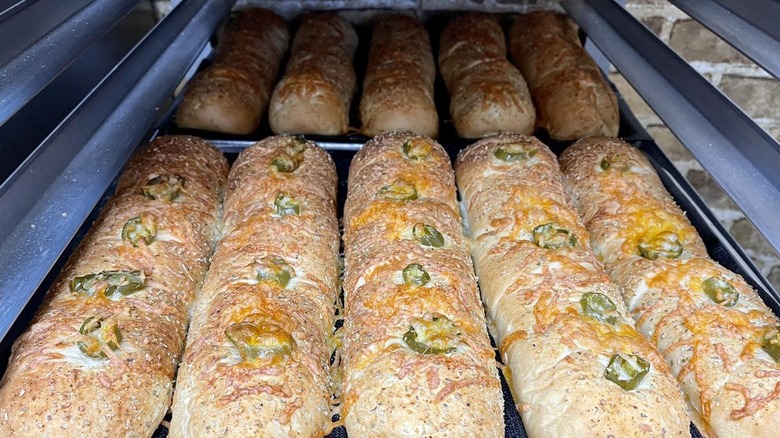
pixel 391 390
pixel 398 87
pixel 51 389
pixel 571 96
pixel 232 94
pixel 217 393
pixel 555 354
pixel 316 91
pixel 731 384
pixel 487 93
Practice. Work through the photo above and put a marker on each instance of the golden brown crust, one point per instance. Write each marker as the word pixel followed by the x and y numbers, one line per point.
pixel 232 94
pixel 219 392
pixel 51 388
pixel 390 389
pixel 487 92
pixel 571 96
pixel 714 349
pixel 398 87
pixel 557 356
pixel 316 91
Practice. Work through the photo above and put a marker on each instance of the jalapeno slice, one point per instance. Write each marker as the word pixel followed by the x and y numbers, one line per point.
pixel 665 244
pixel 551 236
pixel 141 228
pixel 771 343
pixel 274 269
pixel 99 333
pixel 260 341
pixel 616 162
pixel 417 149
pixel 436 336
pixel 427 235
pixel 399 191
pixel 164 187
pixel 626 370
pixel 599 307
pixel 284 163
pixel 514 152
pixel 109 282
pixel 415 275
pixel 720 291
pixel 297 146
pixel 286 205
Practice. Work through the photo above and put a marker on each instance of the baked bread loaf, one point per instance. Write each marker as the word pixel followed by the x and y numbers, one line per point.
pixel 100 355
pixel 232 94
pixel 719 338
pixel 487 93
pixel 576 364
pixel 416 353
pixel 571 96
pixel 398 87
pixel 256 362
pixel 316 91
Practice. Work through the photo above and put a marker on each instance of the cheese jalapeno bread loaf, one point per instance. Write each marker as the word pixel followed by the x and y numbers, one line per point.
pixel 398 87
pixel 232 94
pixel 256 362
pixel 487 93
pixel 719 338
pixel 571 96
pixel 416 353
pixel 100 355
pixel 316 91
pixel 576 365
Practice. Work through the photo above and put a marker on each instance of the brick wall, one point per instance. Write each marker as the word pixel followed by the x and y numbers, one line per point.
pixel 742 81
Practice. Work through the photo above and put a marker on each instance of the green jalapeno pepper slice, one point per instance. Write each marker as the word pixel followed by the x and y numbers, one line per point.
pixel 142 228
pixel 427 235
pixel 164 188
pixel 626 370
pixel 436 336
pixel 551 236
pixel 260 341
pixel 109 282
pixel 665 244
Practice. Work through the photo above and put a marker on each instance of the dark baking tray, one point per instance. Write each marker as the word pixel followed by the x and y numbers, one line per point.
pixel 721 246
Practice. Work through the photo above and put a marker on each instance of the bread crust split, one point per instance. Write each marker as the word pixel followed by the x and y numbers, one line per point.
pixel 99 358
pixel 315 94
pixel 488 94
pixel 557 351
pixel 256 362
pixel 708 323
pixel 572 98
pixel 398 87
pixel 232 94
pixel 416 354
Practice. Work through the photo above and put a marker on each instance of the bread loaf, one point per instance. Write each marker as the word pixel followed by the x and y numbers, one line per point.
pixel 417 359
pixel 571 96
pixel 100 355
pixel 232 94
pixel 256 362
pixel 398 87
pixel 487 93
pixel 717 335
pixel 576 364
pixel 315 94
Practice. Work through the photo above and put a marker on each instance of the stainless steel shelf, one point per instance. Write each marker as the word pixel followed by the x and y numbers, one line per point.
pixel 735 151
pixel 47 199
pixel 751 27
pixel 40 39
